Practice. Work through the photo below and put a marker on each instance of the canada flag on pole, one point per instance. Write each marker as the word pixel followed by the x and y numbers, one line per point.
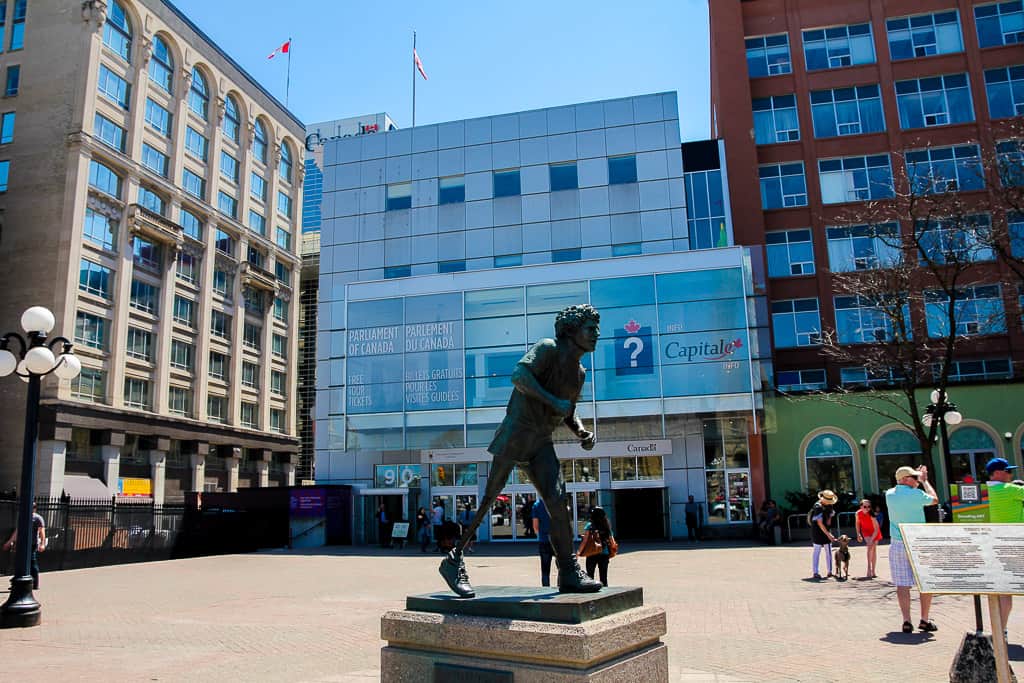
pixel 283 49
pixel 419 64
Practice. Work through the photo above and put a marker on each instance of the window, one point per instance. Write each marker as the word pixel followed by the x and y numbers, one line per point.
pixel 859 376
pixel 144 297
pixel 186 270
pixel 90 330
pixel 231 124
pixel 259 142
pixel 705 209
pixel 790 253
pixel 280 310
pixel 12 80
pixel 832 48
pixel 100 230
pixel 847 111
pixel 227 204
pixel 399 196
pixel 977 310
pixel 193 183
pixel 282 272
pixel 191 224
pixel 248 414
pixel 726 471
pixel 252 300
pixel 223 283
pixel 220 324
pixel 800 380
pixel 95 279
pixel 184 310
pixel 257 223
pixel 1010 162
pixel 224 242
pixel 829 462
pixel 277 382
pixel 7 128
pixel 140 344
pixel 158 118
pixel 1005 90
pixel 455 266
pixel 865 320
pixel 945 169
pixel 1000 24
pixel 3 20
pixel 279 346
pixel 90 385
pixel 154 160
pixel 216 409
pixel 276 420
pixel 218 366
pixel 796 323
pixel 506 183
pixel 199 94
pixel 146 254
pixel 637 468
pixel 775 120
pixel 251 336
pixel 768 55
pixel 283 239
pixel 284 166
pixel 161 65
pixel 250 375
pixel 973 370
pixel 284 204
pixel 257 186
pixel 110 85
pixel 102 178
pixel 853 179
pixel 117 30
pixel 196 143
pixel 255 256
pixel 109 133
pixel 783 185
pixel 136 393
pixel 229 167
pixel 179 401
pixel 181 354
pixel 934 101
pixel 5 172
pixel 1015 225
pixel 963 239
pixel 628 249
pixel 622 169
pixel 451 190
pixel 862 247
pixel 508 261
pixel 924 35
pixel 564 255
pixel 563 177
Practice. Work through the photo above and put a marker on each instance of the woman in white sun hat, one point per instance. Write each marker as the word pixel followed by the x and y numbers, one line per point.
pixel 821 537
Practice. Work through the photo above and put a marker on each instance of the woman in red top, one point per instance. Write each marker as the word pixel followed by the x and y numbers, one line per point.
pixel 869 533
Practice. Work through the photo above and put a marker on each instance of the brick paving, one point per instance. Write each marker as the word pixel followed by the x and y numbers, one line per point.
pixel 735 613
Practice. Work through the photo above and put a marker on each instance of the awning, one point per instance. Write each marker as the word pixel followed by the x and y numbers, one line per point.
pixel 84 487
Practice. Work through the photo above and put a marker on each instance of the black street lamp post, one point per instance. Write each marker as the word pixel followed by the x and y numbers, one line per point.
pixel 34 360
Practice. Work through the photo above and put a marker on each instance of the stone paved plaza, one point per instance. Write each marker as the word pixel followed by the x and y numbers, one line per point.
pixel 735 613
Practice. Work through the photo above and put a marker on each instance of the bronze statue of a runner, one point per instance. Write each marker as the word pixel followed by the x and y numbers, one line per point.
pixel 547 384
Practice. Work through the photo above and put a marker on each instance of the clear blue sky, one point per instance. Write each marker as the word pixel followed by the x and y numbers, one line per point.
pixel 481 58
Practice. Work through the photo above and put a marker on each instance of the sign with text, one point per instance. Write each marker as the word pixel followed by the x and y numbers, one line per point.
pixel 307 502
pixel 396 476
pixel 968 559
pixel 969 501
pixel 129 486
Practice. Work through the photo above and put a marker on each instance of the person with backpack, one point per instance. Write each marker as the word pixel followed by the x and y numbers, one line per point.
pixel 598 545
pixel 820 518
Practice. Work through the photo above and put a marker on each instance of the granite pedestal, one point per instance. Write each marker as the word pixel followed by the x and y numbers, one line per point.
pixel 525 635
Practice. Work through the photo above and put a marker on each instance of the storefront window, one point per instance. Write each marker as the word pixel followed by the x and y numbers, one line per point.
pixel 453 474
pixel 726 462
pixel 894 449
pixel 580 471
pixel 830 464
pixel 637 468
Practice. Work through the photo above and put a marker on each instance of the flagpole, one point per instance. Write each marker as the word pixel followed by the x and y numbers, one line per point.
pixel 288 78
pixel 414 79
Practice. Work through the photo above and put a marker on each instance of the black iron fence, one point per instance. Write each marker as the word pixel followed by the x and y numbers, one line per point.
pixel 92 533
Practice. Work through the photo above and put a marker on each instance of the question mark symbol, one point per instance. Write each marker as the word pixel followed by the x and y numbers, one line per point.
pixel 638 346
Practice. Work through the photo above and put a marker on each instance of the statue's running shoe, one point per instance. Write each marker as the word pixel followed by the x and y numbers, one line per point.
pixel 453 569
pixel 572 579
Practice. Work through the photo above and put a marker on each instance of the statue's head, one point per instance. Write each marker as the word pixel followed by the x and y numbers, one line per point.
pixel 570 320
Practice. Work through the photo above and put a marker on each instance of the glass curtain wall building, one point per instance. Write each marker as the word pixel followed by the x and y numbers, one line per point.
pixel 415 353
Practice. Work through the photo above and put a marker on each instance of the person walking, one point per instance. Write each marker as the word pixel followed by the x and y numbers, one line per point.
pixel 869 533
pixel 423 528
pixel 821 516
pixel 383 526
pixel 38 543
pixel 598 531
pixel 527 514
pixel 1005 506
pixel 906 503
pixel 692 519
pixel 542 528
pixel 436 520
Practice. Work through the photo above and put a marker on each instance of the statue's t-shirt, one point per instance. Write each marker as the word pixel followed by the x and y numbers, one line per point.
pixel 530 421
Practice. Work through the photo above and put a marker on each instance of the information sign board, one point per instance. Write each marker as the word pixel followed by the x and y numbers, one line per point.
pixel 971 559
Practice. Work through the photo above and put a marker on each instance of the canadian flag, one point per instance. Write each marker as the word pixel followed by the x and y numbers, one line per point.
pixel 419 64
pixel 283 49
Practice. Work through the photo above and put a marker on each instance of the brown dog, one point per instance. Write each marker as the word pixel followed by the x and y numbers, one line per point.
pixel 842 557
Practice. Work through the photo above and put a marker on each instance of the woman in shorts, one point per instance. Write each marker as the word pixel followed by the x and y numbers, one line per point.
pixel 869 533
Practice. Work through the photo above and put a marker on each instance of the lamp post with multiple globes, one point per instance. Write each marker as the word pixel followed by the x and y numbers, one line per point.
pixel 31 361
pixel 943 412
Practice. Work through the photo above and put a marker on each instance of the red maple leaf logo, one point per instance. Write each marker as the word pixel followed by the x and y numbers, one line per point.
pixel 632 327
pixel 738 343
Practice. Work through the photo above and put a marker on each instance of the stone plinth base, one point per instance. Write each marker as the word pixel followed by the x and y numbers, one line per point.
pixel 526 635
pixel 975 661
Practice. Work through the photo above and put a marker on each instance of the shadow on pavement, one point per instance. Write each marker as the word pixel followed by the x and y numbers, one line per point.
pixel 901 638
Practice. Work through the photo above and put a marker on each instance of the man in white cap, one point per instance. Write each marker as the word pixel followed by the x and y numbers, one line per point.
pixel 906 503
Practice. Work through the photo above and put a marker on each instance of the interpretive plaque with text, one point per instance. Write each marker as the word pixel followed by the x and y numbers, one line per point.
pixel 966 558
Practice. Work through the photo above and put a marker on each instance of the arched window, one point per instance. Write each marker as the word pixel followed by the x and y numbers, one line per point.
pixel 969 449
pixel 199 94
pixel 117 31
pixel 232 121
pixel 894 449
pixel 829 461
pixel 259 142
pixel 161 66
pixel 285 167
